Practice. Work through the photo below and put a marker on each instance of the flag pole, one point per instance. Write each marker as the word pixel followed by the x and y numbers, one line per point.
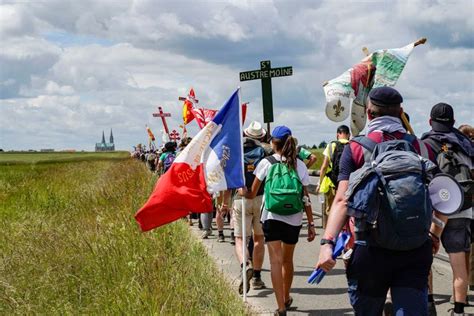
pixel 244 233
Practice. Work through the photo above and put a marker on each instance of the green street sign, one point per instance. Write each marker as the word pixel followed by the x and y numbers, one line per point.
pixel 265 73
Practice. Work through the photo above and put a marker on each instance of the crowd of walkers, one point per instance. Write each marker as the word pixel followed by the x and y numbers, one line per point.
pixel 394 234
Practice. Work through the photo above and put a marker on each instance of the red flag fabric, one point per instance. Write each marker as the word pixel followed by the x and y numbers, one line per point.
pixel 203 116
pixel 178 192
pixel 244 112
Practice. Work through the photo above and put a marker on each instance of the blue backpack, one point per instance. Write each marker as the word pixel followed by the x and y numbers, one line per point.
pixel 169 159
pixel 389 195
pixel 253 154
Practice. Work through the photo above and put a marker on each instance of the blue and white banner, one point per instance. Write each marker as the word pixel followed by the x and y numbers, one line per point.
pixel 224 157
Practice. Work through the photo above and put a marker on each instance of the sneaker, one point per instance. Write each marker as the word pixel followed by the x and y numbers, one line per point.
pixel 257 284
pixel 221 238
pixel 456 314
pixel 432 309
pixel 249 274
pixel 279 312
pixel 206 233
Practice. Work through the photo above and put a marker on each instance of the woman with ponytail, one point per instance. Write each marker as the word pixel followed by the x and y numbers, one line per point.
pixel 282 227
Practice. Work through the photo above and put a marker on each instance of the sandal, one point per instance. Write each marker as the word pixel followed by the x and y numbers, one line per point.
pixel 289 302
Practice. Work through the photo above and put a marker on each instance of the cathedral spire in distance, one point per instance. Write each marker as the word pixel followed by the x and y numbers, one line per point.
pixel 111 137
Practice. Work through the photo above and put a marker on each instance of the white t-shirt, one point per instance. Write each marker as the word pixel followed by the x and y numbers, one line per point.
pixel 261 173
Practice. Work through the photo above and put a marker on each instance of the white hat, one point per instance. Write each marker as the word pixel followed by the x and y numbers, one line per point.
pixel 255 130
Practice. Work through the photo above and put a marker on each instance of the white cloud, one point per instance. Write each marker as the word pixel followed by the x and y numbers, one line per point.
pixel 130 56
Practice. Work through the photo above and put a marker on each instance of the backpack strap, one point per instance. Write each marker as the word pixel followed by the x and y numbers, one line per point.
pixel 272 159
pixel 367 144
pixel 423 149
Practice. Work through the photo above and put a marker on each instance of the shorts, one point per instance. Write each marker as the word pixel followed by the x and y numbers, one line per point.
pixel 276 230
pixel 456 236
pixel 252 216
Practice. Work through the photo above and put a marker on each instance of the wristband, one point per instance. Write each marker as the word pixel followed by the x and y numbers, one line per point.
pixel 438 222
pixel 327 241
pixel 310 225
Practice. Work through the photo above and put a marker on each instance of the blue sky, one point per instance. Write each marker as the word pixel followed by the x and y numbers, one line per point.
pixel 70 69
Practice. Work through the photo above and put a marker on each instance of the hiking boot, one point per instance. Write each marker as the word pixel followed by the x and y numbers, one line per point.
pixel 206 233
pixel 221 238
pixel 279 312
pixel 432 309
pixel 257 283
pixel 249 274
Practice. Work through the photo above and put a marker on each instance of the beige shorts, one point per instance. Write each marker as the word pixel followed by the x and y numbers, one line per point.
pixel 252 216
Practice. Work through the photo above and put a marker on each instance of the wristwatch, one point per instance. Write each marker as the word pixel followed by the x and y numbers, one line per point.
pixel 327 241
pixel 310 225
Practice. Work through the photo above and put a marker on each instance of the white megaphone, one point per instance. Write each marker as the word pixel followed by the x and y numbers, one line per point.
pixel 446 194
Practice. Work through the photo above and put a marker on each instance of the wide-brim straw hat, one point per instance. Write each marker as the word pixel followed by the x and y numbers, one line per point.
pixel 255 130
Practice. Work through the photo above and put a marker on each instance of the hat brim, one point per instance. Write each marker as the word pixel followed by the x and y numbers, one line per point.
pixel 262 134
pixel 441 127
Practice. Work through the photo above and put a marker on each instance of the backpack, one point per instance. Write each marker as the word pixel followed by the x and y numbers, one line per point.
pixel 168 161
pixel 283 193
pixel 389 195
pixel 452 160
pixel 252 156
pixel 335 157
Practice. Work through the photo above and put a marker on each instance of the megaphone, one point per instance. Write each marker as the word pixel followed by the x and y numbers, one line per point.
pixel 446 194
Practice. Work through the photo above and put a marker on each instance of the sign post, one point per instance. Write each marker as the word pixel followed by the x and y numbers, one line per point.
pixel 163 116
pixel 266 73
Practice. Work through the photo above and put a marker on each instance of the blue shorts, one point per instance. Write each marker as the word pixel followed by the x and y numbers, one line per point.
pixel 372 271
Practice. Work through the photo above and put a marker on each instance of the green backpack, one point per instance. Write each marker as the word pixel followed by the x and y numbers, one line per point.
pixel 283 189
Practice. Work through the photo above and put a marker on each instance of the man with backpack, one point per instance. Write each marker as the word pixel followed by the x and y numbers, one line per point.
pixel 253 154
pixel 454 154
pixel 330 168
pixel 383 181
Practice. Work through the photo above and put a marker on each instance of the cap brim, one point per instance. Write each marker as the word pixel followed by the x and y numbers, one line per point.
pixel 441 127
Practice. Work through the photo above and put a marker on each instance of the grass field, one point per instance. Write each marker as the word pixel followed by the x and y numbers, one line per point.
pixel 10 158
pixel 69 245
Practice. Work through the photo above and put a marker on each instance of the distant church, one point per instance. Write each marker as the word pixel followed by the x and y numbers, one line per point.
pixel 103 146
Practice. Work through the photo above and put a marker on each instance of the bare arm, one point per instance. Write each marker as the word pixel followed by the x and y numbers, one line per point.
pixel 436 230
pixel 337 219
pixel 309 215
pixel 311 161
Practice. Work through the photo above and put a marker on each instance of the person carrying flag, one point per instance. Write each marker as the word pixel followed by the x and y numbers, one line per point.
pixel 282 218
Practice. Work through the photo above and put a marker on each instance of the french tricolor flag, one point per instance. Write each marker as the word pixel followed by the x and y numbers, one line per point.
pixel 212 162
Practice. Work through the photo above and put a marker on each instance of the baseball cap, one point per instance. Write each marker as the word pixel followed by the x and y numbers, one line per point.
pixel 385 97
pixel 442 117
pixel 281 132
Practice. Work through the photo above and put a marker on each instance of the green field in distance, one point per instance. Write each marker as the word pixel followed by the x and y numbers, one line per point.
pixel 11 158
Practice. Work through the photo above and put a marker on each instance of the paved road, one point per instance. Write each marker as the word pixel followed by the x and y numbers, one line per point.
pixel 327 298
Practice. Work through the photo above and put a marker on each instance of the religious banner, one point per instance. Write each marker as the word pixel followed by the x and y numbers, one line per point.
pixel 348 92
pixel 203 116
pixel 188 106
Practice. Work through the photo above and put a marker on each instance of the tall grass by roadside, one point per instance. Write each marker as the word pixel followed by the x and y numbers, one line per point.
pixel 69 245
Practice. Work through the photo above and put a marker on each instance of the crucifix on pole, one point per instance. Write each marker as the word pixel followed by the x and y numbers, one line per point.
pixel 266 73
pixel 163 116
